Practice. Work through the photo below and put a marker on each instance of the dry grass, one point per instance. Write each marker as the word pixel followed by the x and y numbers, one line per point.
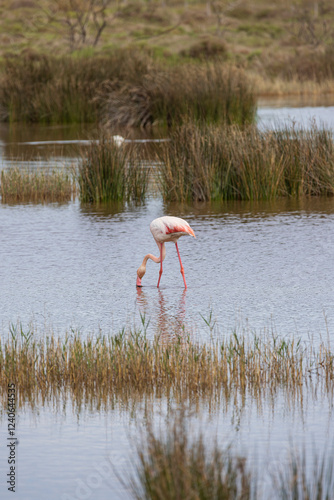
pixel 212 93
pixel 124 89
pixel 173 466
pixel 44 89
pixel 129 363
pixel 203 163
pixel 280 39
pixel 176 464
pixel 37 185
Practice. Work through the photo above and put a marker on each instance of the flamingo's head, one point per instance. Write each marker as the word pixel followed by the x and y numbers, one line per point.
pixel 140 273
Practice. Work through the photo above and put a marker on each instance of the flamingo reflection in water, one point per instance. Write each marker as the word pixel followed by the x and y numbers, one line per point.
pixel 168 326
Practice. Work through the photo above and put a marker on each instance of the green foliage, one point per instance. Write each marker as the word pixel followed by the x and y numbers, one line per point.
pixel 109 172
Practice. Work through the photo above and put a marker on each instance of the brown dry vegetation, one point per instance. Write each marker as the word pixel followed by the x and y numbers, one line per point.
pixel 36 185
pixel 130 364
pixel 207 163
pixel 174 464
pixel 282 41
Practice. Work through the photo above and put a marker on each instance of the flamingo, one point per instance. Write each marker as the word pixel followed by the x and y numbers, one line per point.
pixel 165 229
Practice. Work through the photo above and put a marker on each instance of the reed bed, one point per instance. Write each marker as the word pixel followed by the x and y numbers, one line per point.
pixel 174 465
pixel 128 363
pixel 211 93
pixel 37 185
pixel 210 163
pixel 45 89
pixel 127 88
pixel 109 172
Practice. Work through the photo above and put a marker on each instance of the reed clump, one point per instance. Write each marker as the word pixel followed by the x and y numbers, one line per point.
pixel 210 163
pixel 177 464
pixel 211 93
pixel 109 172
pixel 174 466
pixel 130 363
pixel 37 185
pixel 45 89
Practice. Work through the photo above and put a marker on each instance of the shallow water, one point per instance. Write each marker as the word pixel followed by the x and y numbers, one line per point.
pixel 65 453
pixel 264 264
pixel 302 113
pixel 256 266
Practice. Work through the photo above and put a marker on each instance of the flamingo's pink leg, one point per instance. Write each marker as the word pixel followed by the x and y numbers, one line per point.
pixel 160 272
pixel 182 270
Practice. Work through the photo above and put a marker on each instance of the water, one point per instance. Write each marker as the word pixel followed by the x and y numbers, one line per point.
pixel 75 265
pixel 308 111
pixel 256 266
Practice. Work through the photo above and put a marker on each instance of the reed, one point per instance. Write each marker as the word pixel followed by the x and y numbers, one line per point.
pixel 45 89
pixel 130 363
pixel 173 467
pixel 37 185
pixel 176 464
pixel 109 172
pixel 305 477
pixel 212 93
pixel 208 163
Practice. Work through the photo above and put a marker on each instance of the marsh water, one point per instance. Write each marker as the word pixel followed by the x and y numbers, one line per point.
pixel 253 267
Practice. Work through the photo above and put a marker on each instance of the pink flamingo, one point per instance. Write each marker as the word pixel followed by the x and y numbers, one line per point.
pixel 165 229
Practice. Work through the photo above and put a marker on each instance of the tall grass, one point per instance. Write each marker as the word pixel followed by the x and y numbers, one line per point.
pixel 177 465
pixel 173 467
pixel 212 93
pixel 19 184
pixel 204 163
pixel 126 88
pixel 46 89
pixel 109 172
pixel 128 363
pixel 308 65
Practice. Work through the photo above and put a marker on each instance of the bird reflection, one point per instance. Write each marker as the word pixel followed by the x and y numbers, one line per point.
pixel 168 326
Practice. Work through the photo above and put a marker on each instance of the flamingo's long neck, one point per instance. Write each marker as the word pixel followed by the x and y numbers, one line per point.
pixel 142 269
pixel 153 257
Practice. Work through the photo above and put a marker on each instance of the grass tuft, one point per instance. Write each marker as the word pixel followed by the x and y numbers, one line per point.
pixel 109 172
pixel 176 464
pixel 171 467
pixel 38 185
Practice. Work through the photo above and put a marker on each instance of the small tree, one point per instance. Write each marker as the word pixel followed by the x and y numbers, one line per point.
pixel 82 21
pixel 220 8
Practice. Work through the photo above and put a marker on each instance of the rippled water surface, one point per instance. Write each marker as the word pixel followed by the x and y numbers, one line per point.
pixel 74 265
pixel 253 267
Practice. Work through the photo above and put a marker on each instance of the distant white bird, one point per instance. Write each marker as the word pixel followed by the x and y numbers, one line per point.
pixel 165 229
pixel 118 140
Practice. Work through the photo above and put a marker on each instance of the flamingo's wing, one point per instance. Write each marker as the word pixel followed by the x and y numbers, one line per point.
pixel 177 225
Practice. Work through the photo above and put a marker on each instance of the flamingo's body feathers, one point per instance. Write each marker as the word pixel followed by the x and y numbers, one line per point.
pixel 169 229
